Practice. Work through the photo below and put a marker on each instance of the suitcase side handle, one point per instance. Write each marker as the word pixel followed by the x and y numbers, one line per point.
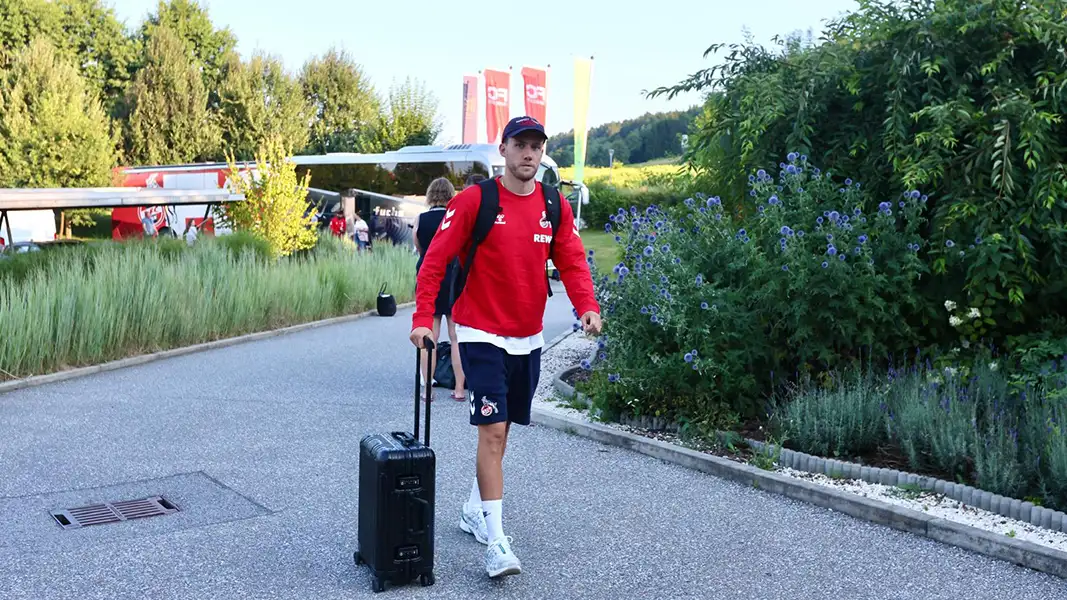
pixel 427 344
pixel 424 516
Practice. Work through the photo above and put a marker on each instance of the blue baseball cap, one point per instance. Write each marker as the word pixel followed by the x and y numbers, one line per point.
pixel 521 124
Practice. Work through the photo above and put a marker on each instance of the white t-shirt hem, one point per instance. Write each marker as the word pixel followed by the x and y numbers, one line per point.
pixel 511 345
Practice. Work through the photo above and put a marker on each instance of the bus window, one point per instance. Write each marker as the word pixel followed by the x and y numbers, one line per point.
pixel 547 176
pixel 393 179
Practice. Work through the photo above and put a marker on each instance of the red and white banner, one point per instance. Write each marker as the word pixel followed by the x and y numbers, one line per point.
pixel 470 109
pixel 497 103
pixel 535 86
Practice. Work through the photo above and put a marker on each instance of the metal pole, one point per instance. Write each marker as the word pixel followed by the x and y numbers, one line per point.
pixel 5 218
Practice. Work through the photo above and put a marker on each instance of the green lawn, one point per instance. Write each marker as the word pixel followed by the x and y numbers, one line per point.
pixel 605 250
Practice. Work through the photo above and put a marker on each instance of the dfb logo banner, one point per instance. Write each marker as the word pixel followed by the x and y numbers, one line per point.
pixel 497 103
pixel 535 85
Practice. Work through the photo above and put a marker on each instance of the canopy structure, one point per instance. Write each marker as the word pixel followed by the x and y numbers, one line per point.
pixel 112 197
pixel 72 198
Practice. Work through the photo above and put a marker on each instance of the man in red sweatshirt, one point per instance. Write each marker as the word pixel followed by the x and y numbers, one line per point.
pixel 500 313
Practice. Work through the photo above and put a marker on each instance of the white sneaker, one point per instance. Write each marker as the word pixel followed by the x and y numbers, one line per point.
pixel 500 560
pixel 472 521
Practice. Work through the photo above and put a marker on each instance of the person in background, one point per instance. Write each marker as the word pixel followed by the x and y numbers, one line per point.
pixel 473 179
pixel 438 195
pixel 362 232
pixel 337 224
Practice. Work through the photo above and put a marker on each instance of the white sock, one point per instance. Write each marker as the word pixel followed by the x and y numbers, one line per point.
pixel 494 512
pixel 475 500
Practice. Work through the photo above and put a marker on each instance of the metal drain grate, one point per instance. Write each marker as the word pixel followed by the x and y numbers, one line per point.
pixel 113 512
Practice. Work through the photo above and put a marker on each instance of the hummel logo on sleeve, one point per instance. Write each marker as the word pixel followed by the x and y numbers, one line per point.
pixel 447 222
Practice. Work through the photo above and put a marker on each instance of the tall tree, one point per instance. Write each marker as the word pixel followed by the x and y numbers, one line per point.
pixel 409 118
pixel 208 48
pixel 169 118
pixel 53 129
pixel 260 101
pixel 344 105
pixel 84 32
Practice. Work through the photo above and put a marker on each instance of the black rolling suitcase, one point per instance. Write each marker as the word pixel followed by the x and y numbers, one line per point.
pixel 397 477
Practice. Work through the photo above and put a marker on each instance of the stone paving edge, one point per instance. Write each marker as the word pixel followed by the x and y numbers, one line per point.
pixel 65 375
pixel 974 539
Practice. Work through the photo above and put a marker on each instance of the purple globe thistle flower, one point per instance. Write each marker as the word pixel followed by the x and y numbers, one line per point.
pixel 703 306
pixel 841 256
pixel 950 243
pixel 831 250
pixel 819 220
pixel 785 267
pixel 863 238
pixel 825 264
pixel 773 200
pixel 785 230
pixel 800 233
pixel 829 237
pixel 792 156
pixel 699 279
pixel 688 357
pixel 648 250
pixel 613 378
pixel 848 181
pixel 791 170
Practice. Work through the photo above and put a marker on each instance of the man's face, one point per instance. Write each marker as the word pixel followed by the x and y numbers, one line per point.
pixel 522 154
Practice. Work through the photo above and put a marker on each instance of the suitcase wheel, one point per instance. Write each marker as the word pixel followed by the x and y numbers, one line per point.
pixel 356 557
pixel 426 579
pixel 376 584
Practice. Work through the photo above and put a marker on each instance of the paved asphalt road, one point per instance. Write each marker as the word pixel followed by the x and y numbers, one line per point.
pixel 258 446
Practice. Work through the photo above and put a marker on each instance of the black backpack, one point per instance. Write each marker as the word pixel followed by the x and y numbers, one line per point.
pixel 487 212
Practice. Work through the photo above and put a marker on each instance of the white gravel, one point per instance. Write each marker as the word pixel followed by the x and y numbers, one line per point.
pixel 939 506
pixel 577 347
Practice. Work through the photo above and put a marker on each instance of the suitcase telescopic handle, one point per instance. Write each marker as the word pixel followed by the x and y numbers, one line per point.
pixel 427 345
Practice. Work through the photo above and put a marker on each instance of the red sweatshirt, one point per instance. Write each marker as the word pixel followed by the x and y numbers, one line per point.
pixel 506 291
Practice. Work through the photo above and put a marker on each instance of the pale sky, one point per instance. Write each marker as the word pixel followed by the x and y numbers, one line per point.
pixel 636 46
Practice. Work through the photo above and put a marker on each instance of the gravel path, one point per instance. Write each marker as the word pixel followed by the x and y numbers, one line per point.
pixel 258 443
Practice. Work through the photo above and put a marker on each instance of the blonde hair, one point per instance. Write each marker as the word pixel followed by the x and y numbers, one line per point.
pixel 440 192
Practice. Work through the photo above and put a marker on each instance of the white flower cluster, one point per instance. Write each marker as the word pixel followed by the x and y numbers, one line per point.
pixel 956 321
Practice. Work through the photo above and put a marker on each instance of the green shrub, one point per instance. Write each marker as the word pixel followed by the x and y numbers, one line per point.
pixel 606 199
pixel 703 311
pixel 958 96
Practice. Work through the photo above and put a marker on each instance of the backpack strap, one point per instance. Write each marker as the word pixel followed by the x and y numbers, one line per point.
pixel 554 211
pixel 483 224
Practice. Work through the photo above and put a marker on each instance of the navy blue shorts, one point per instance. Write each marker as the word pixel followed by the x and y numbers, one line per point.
pixel 500 386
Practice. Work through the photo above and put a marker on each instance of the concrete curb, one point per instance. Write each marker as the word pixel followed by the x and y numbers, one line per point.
pixel 39 380
pixel 1027 554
